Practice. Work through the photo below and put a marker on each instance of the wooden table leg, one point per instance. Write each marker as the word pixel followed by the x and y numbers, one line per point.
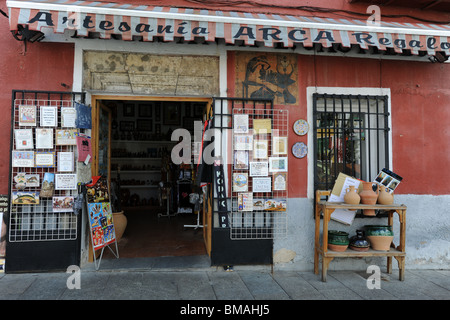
pixel 325 263
pixel 401 267
pixel 389 265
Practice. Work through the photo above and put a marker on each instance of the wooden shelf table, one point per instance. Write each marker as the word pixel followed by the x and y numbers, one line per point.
pixel 321 249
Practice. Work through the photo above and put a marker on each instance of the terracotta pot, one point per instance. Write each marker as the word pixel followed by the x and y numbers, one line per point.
pixel 120 224
pixel 380 237
pixel 337 240
pixel 384 197
pixel 368 196
pixel 352 196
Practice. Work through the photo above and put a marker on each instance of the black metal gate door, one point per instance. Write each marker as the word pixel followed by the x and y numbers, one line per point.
pixel 226 250
pixel 39 237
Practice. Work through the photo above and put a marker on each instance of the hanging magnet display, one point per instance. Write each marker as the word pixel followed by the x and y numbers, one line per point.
pixel 301 127
pixel 299 150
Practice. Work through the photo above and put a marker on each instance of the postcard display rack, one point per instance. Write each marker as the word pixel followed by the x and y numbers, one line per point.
pixel 259 174
pixel 43 168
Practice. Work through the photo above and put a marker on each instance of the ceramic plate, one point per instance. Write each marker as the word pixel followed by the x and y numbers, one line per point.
pixel 299 149
pixel 301 127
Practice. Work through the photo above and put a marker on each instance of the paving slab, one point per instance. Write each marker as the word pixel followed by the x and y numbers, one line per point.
pixel 262 286
pixel 229 286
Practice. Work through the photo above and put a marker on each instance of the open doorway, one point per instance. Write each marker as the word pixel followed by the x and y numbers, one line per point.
pixel 157 196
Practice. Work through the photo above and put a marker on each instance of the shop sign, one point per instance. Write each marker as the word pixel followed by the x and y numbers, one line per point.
pixel 187 29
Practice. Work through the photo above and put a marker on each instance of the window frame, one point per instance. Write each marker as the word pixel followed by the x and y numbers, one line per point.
pixel 345 91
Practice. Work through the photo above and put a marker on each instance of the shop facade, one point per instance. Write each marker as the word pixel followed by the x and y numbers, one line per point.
pixel 370 99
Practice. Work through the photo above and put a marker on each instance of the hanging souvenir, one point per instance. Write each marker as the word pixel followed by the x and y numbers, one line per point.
pixel 301 127
pixel 299 149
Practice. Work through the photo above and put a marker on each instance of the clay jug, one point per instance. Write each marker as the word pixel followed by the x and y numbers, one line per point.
pixel 352 196
pixel 120 224
pixel 384 197
pixel 368 196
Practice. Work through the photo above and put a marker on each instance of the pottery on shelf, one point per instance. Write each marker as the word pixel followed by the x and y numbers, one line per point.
pixel 368 196
pixel 380 237
pixel 359 241
pixel 384 196
pixel 337 240
pixel 120 224
pixel 351 196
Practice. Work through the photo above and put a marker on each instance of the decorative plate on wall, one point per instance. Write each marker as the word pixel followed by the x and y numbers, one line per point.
pixel 301 127
pixel 299 150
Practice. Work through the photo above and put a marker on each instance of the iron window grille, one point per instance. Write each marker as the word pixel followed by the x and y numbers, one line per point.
pixel 351 135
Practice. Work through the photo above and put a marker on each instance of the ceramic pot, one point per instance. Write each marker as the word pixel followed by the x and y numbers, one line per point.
pixel 384 197
pixel 368 196
pixel 380 237
pixel 337 240
pixel 120 224
pixel 359 241
pixel 352 196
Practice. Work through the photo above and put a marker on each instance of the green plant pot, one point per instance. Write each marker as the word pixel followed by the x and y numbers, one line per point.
pixel 338 237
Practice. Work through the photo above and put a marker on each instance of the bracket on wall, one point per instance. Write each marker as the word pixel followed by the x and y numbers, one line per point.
pixel 26 35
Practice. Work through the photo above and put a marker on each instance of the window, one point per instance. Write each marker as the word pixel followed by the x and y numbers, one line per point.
pixel 351 135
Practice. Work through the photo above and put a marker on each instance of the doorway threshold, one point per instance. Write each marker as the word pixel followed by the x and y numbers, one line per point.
pixel 166 263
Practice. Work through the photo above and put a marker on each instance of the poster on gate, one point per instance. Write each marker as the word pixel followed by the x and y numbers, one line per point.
pixel 102 225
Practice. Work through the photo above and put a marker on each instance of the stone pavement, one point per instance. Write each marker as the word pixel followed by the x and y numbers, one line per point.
pixel 164 279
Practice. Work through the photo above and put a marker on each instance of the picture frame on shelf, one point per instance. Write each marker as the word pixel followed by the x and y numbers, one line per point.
pixel 146 110
pixel 144 125
pixel 126 126
pixel 128 109
pixel 172 114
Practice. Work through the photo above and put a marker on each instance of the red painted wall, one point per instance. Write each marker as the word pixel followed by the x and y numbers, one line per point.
pixel 43 67
pixel 420 113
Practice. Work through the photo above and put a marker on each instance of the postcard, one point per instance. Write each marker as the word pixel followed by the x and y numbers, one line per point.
pixel 260 149
pixel 275 205
pixel 240 123
pixel 243 142
pixel 279 181
pixel 32 180
pixel 262 184
pixel 45 159
pixel 258 204
pixel 245 201
pixel 25 197
pixel 259 169
pixel 44 138
pixel 68 117
pixel 279 145
pixel 241 159
pixel 278 164
pixel 63 204
pixel 65 161
pixel 23 159
pixel 66 137
pixel 66 181
pixel 23 138
pixel 262 126
pixel 27 116
pixel 48 185
pixel 240 182
pixel 49 116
